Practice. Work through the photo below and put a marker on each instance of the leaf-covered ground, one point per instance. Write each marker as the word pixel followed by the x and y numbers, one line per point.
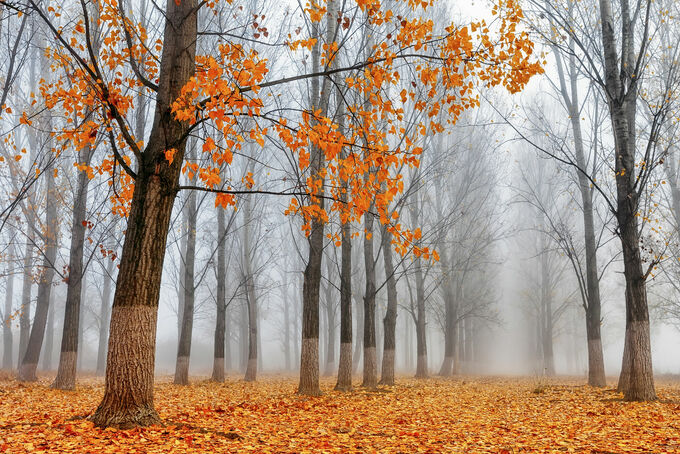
pixel 436 415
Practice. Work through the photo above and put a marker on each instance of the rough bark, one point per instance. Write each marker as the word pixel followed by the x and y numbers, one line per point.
pixel 390 320
pixel 128 395
pixel 66 373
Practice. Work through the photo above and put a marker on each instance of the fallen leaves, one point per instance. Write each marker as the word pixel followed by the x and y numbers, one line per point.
pixel 435 415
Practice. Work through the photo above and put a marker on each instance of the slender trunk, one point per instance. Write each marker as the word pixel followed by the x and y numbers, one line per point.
pixel 330 320
pixel 596 375
pixel 48 344
pixel 128 395
pixel 345 362
pixel 243 337
pixel 228 363
pixel 370 365
pixel 104 318
pixel 184 347
pixel 221 301
pixel 421 341
pixel 7 338
pixel 390 320
pixel 66 373
pixel 450 317
pixel 286 323
pixel 29 362
pixel 546 302
pixel 251 298
pixel 309 354
pixel 358 344
pixel 25 310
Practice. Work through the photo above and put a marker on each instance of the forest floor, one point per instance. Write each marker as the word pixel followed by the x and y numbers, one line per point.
pixel 483 414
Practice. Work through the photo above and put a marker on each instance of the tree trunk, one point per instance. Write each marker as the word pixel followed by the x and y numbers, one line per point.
pixel 251 298
pixel 596 375
pixel 421 340
pixel 286 323
pixel 345 361
pixel 48 344
pixel 637 377
pixel 221 300
pixel 66 373
pixel 104 318
pixel 128 395
pixel 358 344
pixel 25 311
pixel 450 316
pixel 29 363
pixel 7 338
pixel 319 99
pixel 370 364
pixel 330 320
pixel 546 302
pixel 186 333
pixel 390 320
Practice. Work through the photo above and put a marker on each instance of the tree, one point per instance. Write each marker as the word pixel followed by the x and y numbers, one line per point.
pixel 225 88
pixel 619 66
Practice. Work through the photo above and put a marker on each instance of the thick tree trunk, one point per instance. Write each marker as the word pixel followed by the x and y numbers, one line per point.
pixel 309 354
pixel 29 362
pixel 390 320
pixel 104 318
pixel 7 338
pixel 128 395
pixel 186 333
pixel 221 300
pixel 637 377
pixel 66 373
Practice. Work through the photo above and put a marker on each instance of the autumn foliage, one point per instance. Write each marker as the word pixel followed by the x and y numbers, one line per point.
pixel 440 415
pixel 412 66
